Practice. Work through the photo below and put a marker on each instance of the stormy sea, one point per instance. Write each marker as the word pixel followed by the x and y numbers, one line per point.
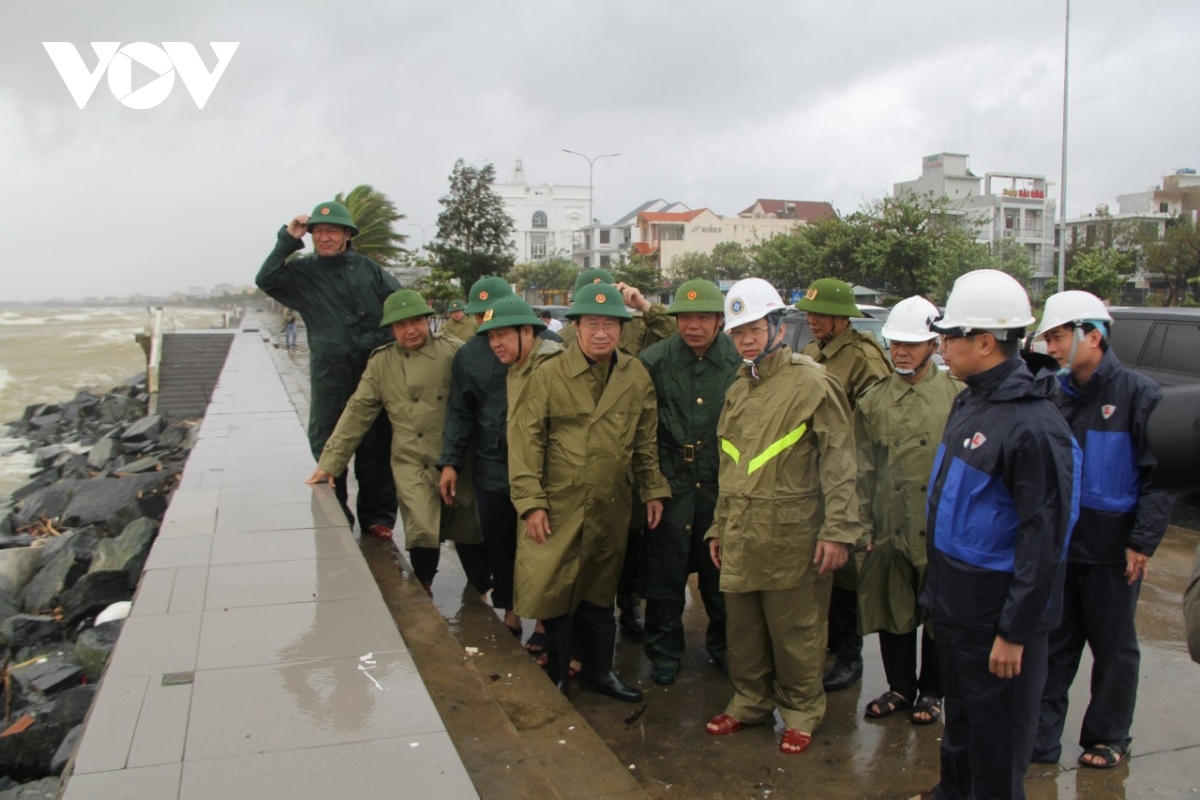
pixel 47 354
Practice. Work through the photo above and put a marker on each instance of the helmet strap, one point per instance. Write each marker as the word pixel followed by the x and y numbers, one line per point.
pixel 774 321
pixel 1076 338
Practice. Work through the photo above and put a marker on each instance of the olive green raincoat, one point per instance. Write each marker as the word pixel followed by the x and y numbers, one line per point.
pixel 462 329
pixel 897 429
pixel 414 387
pixel 854 358
pixel 581 438
pixel 787 474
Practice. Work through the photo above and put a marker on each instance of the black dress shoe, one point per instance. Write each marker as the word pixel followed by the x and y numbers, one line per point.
pixel 842 676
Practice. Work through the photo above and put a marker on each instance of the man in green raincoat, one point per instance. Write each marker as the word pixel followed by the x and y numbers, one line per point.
pixel 785 518
pixel 410 379
pixel 691 372
pixel 857 360
pixel 650 323
pixel 899 423
pixel 457 323
pixel 340 294
pixel 582 438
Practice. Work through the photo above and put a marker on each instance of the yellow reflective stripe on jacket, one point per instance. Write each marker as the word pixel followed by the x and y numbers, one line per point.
pixel 774 449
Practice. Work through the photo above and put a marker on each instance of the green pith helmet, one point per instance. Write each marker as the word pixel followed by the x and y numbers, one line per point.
pixel 404 304
pixel 590 276
pixel 456 305
pixel 600 300
pixel 332 213
pixel 509 312
pixel 831 297
pixel 698 296
pixel 486 291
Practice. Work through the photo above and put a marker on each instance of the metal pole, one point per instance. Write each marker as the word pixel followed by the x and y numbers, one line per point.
pixel 1062 193
pixel 422 227
pixel 591 163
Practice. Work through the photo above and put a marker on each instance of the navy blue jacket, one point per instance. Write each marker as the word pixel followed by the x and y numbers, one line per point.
pixel 1003 497
pixel 1119 506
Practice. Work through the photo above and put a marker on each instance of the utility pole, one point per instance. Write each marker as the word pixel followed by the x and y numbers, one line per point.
pixel 422 228
pixel 1062 192
pixel 591 163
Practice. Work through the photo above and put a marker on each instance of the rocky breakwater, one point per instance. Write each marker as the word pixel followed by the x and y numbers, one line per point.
pixel 72 548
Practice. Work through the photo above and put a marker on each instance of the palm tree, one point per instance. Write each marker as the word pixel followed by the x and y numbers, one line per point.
pixel 373 212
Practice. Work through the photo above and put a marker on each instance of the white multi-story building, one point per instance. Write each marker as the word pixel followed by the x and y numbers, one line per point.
pixel 602 245
pixel 545 217
pixel 1011 206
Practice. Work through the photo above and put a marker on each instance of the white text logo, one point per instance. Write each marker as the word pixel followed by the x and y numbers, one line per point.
pixel 164 61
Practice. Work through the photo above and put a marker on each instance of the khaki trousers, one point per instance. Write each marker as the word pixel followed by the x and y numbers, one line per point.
pixel 777 653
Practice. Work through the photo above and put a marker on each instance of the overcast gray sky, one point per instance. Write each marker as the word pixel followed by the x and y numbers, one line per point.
pixel 713 104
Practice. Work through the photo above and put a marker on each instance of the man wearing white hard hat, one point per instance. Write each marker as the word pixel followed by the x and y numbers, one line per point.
pixel 1003 496
pixel 898 424
pixel 785 518
pixel 1122 519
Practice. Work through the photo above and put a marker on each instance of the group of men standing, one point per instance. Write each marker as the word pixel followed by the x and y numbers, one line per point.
pixel 819 496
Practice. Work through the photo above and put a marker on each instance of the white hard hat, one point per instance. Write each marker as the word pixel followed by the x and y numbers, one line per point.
pixel 985 300
pixel 909 321
pixel 1072 306
pixel 748 300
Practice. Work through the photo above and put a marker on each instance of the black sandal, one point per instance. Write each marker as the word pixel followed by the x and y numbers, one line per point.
pixel 535 645
pixel 926 704
pixel 1112 756
pixel 887 704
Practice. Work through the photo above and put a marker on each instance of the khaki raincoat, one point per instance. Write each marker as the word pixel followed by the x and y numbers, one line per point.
pixel 414 387
pixel 854 358
pixel 581 438
pixel 787 474
pixel 897 429
pixel 463 329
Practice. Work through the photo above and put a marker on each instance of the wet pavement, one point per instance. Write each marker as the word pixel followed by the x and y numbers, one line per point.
pixel 667 753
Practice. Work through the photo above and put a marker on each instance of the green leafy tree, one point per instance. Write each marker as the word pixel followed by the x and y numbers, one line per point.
pixel 474 231
pixel 1013 257
pixel 1176 260
pixel 374 213
pixel 551 279
pixel 691 266
pixel 638 270
pixel 787 262
pixel 440 286
pixel 731 261
pixel 1099 270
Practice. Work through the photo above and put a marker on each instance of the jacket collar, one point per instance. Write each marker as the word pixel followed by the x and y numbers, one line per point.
pixel 829 349
pixel 922 388
pixel 1108 366
pixel 578 363
pixel 1013 380
pixel 770 365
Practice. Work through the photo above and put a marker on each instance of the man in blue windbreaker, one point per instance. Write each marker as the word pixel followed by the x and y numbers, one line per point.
pixel 1122 519
pixel 1002 501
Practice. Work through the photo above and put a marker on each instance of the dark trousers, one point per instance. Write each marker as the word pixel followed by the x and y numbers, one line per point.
pixel 472 557
pixel 843 626
pixel 1098 610
pixel 990 721
pixel 334 380
pixel 586 615
pixel 499 520
pixel 630 584
pixel 899 654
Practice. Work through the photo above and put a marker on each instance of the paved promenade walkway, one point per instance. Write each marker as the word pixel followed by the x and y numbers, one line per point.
pixel 260 660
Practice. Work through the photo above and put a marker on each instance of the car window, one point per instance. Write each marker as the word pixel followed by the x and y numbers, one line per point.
pixel 1127 338
pixel 1153 346
pixel 1181 348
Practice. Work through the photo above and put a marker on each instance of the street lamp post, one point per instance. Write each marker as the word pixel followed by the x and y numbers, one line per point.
pixel 422 228
pixel 591 163
pixel 1062 192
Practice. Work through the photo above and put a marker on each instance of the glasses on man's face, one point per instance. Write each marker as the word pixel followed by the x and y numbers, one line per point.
pixel 608 325
pixel 745 332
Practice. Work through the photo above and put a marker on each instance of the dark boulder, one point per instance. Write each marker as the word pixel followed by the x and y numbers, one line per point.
pixel 70 707
pixel 59 762
pixel 146 428
pixel 94 646
pixel 103 451
pixel 127 552
pixel 30 630
pixel 95 592
pixel 49 501
pixel 112 502
pixel 27 755
pixel 50 675
pixel 64 560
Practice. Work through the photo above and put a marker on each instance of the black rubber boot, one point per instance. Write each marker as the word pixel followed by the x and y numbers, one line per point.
pixel 597 674
pixel 558 659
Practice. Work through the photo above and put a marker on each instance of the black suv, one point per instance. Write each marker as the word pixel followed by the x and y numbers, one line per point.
pixel 1161 343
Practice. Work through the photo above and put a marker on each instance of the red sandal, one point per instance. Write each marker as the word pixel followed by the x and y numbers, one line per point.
pixel 794 742
pixel 723 725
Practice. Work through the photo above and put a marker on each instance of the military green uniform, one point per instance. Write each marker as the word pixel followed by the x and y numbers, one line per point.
pixel 413 386
pixel 581 438
pixel 341 299
pixel 898 429
pixel 854 358
pixel 787 480
pixel 462 329
pixel 691 391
